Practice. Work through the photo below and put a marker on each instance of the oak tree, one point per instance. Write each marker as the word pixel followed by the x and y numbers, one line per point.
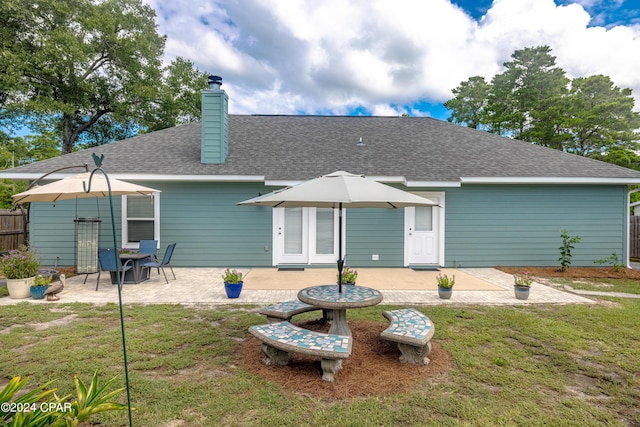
pixel 71 63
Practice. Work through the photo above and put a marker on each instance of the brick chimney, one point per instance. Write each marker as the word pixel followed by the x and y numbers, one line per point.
pixel 215 123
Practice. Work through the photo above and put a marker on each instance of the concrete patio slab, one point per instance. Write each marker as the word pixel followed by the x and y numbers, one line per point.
pixel 377 278
pixel 204 286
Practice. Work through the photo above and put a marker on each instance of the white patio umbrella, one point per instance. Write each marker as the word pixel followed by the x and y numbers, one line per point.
pixel 340 190
pixel 72 187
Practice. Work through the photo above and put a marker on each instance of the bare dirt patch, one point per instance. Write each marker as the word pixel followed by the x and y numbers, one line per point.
pixel 372 369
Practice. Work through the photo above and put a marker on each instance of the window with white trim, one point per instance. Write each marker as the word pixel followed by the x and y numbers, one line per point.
pixel 140 219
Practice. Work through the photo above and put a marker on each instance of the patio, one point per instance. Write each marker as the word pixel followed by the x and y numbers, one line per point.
pixel 401 286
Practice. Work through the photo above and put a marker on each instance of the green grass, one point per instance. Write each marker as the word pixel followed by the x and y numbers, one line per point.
pixel 560 365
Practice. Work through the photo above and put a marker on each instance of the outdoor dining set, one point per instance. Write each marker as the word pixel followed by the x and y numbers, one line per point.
pixel 409 328
pixel 134 266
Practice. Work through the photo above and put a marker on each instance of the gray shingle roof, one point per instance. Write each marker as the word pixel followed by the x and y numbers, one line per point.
pixel 304 147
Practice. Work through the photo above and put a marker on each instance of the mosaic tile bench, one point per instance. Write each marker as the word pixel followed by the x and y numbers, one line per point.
pixel 412 330
pixel 287 309
pixel 279 339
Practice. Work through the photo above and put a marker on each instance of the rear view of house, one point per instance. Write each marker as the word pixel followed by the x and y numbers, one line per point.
pixel 500 201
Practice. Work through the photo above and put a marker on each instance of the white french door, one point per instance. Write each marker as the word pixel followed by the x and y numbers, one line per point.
pixel 292 239
pixel 305 235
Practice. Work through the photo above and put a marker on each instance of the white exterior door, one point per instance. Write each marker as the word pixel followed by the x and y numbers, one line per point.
pixel 424 227
pixel 305 236
pixel 423 248
pixel 291 239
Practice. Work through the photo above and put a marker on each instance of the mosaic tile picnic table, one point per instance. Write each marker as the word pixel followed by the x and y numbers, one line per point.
pixel 328 297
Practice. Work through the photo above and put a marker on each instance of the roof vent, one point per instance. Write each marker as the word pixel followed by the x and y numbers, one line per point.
pixel 360 143
pixel 214 82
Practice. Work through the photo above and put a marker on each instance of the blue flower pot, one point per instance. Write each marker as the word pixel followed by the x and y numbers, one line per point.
pixel 37 292
pixel 233 289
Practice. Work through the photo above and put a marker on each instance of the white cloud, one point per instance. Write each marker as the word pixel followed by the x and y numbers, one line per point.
pixel 330 56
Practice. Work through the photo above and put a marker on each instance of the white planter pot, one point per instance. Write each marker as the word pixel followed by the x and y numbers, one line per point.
pixel 20 288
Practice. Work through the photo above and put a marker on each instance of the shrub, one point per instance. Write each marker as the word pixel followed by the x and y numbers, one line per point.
pixel 232 276
pixel 445 281
pixel 20 263
pixel 613 260
pixel 522 279
pixel 349 275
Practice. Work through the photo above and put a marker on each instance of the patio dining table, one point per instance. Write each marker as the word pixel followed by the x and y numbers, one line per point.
pixel 328 297
pixel 138 273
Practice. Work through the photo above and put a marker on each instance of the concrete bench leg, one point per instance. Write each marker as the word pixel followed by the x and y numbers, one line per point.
pixel 413 354
pixel 329 368
pixel 275 356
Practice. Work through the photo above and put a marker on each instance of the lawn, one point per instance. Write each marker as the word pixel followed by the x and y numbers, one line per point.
pixel 560 365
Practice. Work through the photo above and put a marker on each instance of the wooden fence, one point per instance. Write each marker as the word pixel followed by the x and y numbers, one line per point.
pixel 11 230
pixel 634 236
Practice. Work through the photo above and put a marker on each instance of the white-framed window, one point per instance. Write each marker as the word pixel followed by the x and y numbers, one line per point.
pixel 140 219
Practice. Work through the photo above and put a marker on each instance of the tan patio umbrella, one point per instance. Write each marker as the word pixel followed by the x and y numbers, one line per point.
pixel 72 187
pixel 75 186
pixel 340 190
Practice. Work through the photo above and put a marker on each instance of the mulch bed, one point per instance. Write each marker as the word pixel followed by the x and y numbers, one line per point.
pixel 372 369
pixel 575 272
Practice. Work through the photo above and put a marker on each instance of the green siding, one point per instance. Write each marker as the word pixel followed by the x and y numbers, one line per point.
pixel 52 227
pixel 202 218
pixel 210 229
pixel 375 231
pixel 485 226
pixel 215 127
pixel 510 225
pixel 519 225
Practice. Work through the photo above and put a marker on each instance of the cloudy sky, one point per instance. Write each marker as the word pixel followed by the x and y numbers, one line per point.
pixel 388 57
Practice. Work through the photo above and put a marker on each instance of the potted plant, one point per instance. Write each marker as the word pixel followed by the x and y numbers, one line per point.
pixel 349 276
pixel 40 284
pixel 232 282
pixel 445 285
pixel 522 285
pixel 20 267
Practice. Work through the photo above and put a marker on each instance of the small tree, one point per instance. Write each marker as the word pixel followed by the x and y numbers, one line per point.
pixel 565 249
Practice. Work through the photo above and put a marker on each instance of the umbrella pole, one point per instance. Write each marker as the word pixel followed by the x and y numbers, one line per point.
pixel 340 259
pixel 119 284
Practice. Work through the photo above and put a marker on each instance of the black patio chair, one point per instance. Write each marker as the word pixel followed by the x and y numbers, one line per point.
pixel 109 259
pixel 166 261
